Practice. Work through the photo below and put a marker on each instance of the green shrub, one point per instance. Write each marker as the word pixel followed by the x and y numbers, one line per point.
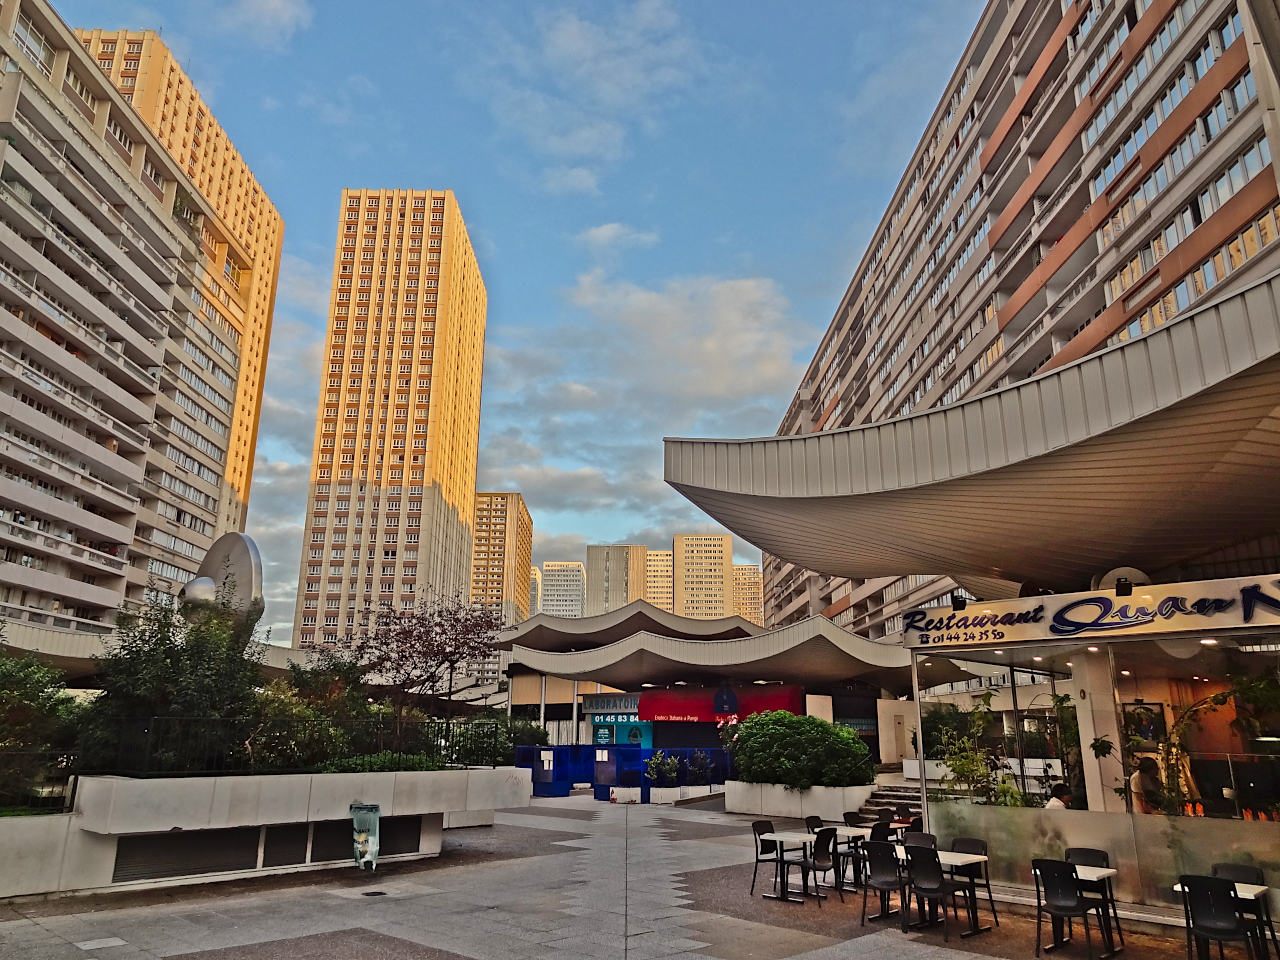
pixel 662 769
pixel 386 761
pixel 800 752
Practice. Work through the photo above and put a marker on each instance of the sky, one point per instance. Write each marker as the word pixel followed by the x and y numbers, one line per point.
pixel 667 201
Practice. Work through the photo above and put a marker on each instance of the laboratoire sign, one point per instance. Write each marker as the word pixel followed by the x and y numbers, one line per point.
pixel 1205 605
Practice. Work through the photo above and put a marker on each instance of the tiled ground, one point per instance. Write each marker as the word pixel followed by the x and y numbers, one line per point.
pixel 566 879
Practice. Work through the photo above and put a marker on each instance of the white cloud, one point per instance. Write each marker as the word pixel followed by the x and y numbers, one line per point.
pixel 303 285
pixel 574 418
pixel 609 237
pixel 575 85
pixel 277 509
pixel 268 23
pixel 562 180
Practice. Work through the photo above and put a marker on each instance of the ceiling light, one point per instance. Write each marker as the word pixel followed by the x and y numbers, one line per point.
pixel 646 685
pixel 1069 663
pixel 1093 649
pixel 680 683
pixel 1209 642
pixel 997 651
pixel 1037 659
pixel 1267 739
pixel 760 682
pixel 1194 677
pixel 1124 673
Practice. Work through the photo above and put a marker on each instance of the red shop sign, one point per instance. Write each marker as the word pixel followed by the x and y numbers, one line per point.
pixel 711 704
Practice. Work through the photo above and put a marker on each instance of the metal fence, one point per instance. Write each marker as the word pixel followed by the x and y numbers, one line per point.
pixel 199 746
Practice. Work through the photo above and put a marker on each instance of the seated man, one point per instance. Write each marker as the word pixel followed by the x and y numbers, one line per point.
pixel 1059 797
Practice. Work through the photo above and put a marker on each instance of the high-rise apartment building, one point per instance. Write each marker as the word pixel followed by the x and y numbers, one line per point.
pixel 615 576
pixel 564 588
pixel 391 510
pixel 658 579
pixel 502 556
pixel 748 592
pixel 1092 172
pixel 535 591
pixel 243 261
pixel 121 347
pixel 702 579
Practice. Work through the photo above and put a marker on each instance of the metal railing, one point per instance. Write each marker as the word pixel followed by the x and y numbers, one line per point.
pixel 202 746
pixel 37 781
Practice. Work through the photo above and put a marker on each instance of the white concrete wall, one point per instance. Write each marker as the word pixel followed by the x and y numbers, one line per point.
pixel 76 852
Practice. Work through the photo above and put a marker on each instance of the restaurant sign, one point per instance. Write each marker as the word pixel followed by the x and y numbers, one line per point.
pixel 708 704
pixel 1204 605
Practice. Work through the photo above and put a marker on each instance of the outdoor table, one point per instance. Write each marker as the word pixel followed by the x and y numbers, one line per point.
pixel 1250 891
pixel 781 838
pixel 950 859
pixel 1092 874
pixel 853 833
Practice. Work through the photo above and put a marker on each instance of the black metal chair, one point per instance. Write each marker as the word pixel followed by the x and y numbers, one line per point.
pixel 920 840
pixel 1058 895
pixel 1092 857
pixel 929 885
pixel 824 859
pixel 813 824
pixel 881 830
pixel 977 871
pixel 767 852
pixel 1260 908
pixel 884 875
pixel 853 848
pixel 902 812
pixel 1212 913
pixel 916 825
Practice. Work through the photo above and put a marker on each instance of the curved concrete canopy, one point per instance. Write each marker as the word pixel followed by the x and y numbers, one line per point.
pixel 544 632
pixel 1148 454
pixel 811 652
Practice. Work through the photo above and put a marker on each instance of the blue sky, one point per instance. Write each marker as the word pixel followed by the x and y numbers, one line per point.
pixel 667 200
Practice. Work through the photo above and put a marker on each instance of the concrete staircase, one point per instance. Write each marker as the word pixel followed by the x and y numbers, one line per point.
pixel 883 804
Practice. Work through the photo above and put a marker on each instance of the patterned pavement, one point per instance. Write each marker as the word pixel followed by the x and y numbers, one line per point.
pixel 566 879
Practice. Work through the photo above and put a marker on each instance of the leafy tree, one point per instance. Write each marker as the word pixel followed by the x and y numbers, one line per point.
pixel 800 752
pixel 35 715
pixel 333 684
pixel 416 652
pixel 193 662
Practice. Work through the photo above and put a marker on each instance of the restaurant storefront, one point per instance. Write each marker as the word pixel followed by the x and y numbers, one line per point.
pixel 1157 706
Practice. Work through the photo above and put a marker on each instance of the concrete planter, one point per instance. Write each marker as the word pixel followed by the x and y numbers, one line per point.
pixel 700 790
pixel 120 820
pixel 664 794
pixel 934 769
pixel 624 794
pixel 775 800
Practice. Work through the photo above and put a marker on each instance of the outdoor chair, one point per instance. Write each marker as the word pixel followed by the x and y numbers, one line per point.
pixel 929 885
pixel 1091 857
pixel 1058 895
pixel 813 824
pixel 880 831
pixel 978 871
pixel 916 825
pixel 853 847
pixel 767 852
pixel 903 812
pixel 825 859
pixel 884 875
pixel 1213 913
pixel 920 840
pixel 1260 908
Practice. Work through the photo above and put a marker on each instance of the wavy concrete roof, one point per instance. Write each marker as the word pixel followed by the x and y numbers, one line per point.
pixel 813 652
pixel 544 632
pixel 1148 454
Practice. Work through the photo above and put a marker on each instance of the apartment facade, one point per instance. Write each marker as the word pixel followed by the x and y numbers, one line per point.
pixel 659 583
pixel 1092 172
pixel 243 263
pixel 535 591
pixel 119 346
pixel 748 592
pixel 564 588
pixel 702 575
pixel 391 507
pixel 615 576
pixel 501 559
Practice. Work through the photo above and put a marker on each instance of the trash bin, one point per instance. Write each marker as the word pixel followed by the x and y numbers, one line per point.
pixel 364 834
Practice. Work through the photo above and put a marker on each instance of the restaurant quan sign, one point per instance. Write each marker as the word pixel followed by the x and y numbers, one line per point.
pixel 1205 605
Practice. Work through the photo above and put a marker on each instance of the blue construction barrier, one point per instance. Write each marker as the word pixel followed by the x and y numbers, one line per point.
pixel 556 769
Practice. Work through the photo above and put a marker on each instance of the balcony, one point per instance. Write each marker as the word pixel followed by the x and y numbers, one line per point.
pixel 81 330
pixel 24 537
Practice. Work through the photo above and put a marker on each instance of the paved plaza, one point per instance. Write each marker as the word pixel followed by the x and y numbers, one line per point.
pixel 563 878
